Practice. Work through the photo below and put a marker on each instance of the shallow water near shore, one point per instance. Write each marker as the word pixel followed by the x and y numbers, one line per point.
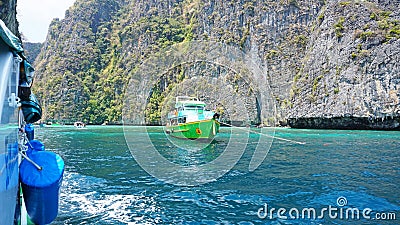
pixel 103 184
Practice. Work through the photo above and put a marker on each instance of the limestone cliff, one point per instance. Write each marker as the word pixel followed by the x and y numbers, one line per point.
pixel 334 59
pixel 85 65
pixel 8 13
pixel 350 76
pixel 32 50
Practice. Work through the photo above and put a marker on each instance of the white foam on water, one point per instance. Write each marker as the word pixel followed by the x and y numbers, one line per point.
pixel 126 208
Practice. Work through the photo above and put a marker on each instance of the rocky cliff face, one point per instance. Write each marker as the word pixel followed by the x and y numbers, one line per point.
pixel 8 13
pixel 351 68
pixel 71 62
pixel 84 66
pixel 321 60
pixel 32 50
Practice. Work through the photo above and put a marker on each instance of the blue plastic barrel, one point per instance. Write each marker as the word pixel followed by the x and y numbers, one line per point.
pixel 41 187
pixel 34 146
pixel 30 131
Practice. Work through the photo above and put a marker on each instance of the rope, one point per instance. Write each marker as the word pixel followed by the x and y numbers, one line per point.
pixel 24 140
pixel 266 135
pixel 31 161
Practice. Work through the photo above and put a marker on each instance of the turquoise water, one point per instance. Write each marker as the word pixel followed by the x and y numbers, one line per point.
pixel 103 184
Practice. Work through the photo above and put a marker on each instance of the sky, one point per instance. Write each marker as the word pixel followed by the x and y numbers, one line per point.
pixel 34 16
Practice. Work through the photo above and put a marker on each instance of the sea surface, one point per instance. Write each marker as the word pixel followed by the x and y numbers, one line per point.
pixel 334 172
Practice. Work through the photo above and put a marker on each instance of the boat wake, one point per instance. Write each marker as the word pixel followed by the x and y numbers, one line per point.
pixel 79 203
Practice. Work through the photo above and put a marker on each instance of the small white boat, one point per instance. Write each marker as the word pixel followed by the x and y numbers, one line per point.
pixel 79 124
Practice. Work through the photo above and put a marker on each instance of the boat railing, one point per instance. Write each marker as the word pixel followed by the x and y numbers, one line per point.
pixel 186 98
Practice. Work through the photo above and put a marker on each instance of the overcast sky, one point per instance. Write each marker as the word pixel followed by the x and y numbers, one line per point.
pixel 34 16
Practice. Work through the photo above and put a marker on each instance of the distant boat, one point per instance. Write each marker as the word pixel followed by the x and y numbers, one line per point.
pixel 50 124
pixel 191 120
pixel 79 124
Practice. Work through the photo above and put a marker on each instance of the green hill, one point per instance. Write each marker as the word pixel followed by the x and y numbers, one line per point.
pixel 308 52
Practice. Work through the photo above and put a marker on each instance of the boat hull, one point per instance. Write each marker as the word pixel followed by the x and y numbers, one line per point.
pixel 204 129
pixel 9 180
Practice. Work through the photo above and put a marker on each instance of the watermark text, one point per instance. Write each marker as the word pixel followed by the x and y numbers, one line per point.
pixel 332 212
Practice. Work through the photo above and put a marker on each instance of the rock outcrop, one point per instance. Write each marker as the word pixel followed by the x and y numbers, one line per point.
pixel 322 60
pixel 350 76
pixel 32 50
pixel 8 13
pixel 84 65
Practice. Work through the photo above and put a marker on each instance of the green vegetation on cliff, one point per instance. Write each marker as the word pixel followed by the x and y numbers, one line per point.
pixel 89 57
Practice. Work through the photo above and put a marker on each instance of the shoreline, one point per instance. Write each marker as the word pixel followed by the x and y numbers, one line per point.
pixel 388 123
pixel 315 123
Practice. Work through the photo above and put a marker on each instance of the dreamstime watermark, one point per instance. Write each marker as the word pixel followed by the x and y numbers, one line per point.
pixel 332 212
